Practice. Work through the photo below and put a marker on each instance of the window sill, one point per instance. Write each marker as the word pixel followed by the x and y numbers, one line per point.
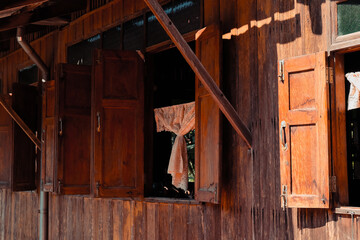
pixel 171 200
pixel 348 210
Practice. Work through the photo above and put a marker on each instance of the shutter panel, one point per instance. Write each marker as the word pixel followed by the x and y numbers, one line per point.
pixel 208 121
pixel 74 84
pixel 118 122
pixel 25 104
pixel 48 138
pixel 6 141
pixel 304 132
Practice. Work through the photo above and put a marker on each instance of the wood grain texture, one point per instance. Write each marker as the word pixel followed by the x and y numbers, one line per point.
pixel 250 202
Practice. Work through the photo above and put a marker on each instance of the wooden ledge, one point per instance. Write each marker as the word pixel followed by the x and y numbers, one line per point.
pixel 348 210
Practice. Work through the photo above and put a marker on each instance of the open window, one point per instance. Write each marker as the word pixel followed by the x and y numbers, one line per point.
pixel 6 145
pixel 170 111
pixel 19 156
pixel 346 132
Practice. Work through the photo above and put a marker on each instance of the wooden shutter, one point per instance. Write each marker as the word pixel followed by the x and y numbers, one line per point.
pixel 304 132
pixel 118 122
pixel 48 138
pixel 74 125
pixel 208 121
pixel 6 155
pixel 26 105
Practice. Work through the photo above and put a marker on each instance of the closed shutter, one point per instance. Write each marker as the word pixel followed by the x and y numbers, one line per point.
pixel 74 125
pixel 26 105
pixel 48 138
pixel 208 120
pixel 118 122
pixel 304 132
pixel 6 144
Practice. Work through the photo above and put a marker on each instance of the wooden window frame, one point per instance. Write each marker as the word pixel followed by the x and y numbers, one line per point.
pixel 338 124
pixel 340 42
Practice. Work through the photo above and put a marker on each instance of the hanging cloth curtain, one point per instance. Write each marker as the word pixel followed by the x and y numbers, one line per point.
pixel 179 119
pixel 354 93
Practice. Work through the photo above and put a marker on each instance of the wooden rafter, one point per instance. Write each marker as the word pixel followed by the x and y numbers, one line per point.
pixel 200 71
pixel 20 122
pixel 55 9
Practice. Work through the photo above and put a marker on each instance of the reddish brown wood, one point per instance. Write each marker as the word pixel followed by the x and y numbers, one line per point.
pixel 303 107
pixel 208 120
pixel 200 71
pixel 117 124
pixel 339 147
pixel 74 100
pixel 6 142
pixel 48 140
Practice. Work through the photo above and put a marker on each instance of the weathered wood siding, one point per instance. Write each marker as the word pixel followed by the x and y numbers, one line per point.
pixel 262 33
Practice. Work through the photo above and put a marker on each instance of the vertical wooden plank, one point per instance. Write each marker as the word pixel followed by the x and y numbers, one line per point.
pixel 180 225
pixel 128 220
pixel 89 218
pixel 211 12
pixel 117 219
pixel 152 221
pixel 117 10
pixel 195 222
pixel 164 221
pixel 139 222
pixel 128 8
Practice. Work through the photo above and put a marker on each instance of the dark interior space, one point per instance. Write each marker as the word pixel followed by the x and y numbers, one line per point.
pixel 173 82
pixel 28 75
pixel 352 64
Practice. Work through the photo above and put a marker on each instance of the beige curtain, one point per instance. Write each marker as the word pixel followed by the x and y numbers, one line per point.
pixel 354 93
pixel 179 119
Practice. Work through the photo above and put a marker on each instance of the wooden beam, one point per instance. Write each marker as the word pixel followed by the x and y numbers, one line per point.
pixel 58 8
pixel 20 122
pixel 200 71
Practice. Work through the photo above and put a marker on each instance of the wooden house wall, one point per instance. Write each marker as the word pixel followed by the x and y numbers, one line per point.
pixel 261 33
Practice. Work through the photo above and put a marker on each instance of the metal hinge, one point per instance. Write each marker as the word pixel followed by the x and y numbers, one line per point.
pixel 330 75
pixel 332 182
pixel 283 197
pixel 60 184
pixel 281 71
pixel 98 185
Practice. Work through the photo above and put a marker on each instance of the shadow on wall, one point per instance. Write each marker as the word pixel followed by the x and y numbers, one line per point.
pixel 283 25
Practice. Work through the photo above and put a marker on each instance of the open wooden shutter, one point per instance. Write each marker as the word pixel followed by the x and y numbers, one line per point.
pixel 304 132
pixel 48 138
pixel 118 122
pixel 6 145
pixel 26 105
pixel 208 120
pixel 74 91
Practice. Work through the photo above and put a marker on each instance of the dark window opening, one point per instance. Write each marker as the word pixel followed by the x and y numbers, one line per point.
pixel 134 34
pixel 82 52
pixel 353 134
pixel 28 75
pixel 112 38
pixel 173 83
pixel 186 17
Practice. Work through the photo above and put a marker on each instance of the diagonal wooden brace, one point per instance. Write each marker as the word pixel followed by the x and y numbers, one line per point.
pixel 200 71
pixel 20 122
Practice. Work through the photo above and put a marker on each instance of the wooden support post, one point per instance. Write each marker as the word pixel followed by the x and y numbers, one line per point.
pixel 200 71
pixel 20 122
